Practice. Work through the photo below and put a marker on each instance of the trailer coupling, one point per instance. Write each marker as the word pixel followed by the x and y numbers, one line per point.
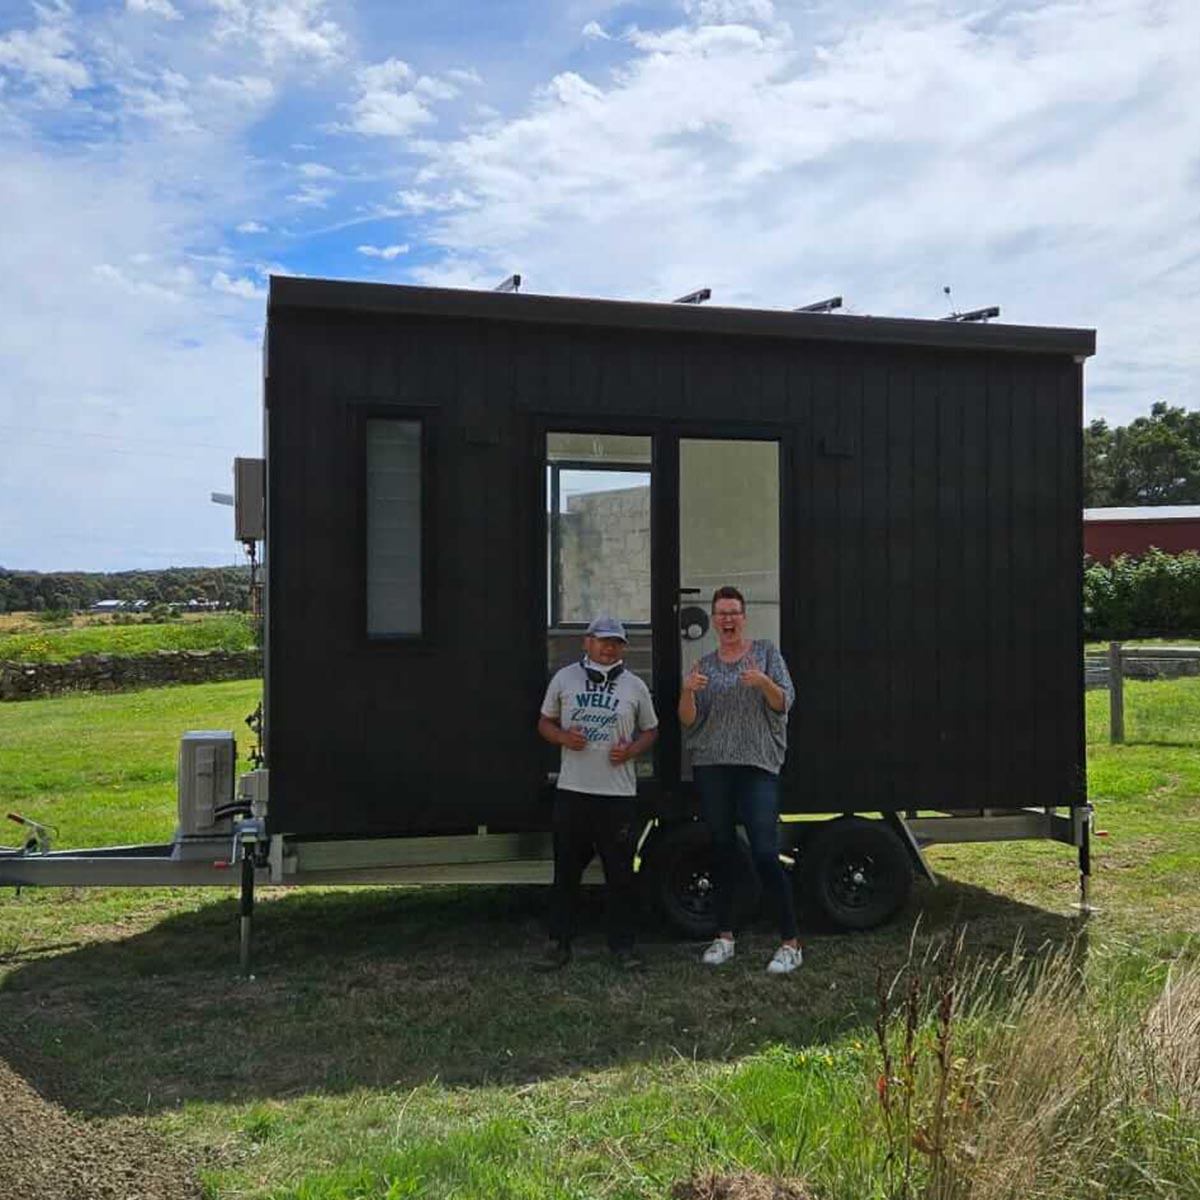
pixel 37 837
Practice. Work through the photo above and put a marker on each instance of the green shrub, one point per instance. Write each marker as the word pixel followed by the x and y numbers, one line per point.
pixel 1157 595
pixel 54 616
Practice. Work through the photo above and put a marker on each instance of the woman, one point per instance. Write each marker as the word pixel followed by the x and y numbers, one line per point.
pixel 733 707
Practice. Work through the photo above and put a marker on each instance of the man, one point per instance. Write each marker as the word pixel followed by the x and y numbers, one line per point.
pixel 602 717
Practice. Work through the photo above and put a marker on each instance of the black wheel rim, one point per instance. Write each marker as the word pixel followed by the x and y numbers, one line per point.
pixel 856 882
pixel 691 889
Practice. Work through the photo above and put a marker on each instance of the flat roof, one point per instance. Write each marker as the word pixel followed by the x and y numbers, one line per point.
pixel 1146 512
pixel 291 292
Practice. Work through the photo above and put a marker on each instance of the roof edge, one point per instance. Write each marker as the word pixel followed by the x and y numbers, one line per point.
pixel 1135 514
pixel 292 292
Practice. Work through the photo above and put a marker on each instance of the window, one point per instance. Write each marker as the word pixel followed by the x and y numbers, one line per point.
pixel 393 475
pixel 598 501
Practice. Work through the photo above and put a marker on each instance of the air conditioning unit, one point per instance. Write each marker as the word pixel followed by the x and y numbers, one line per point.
pixel 206 765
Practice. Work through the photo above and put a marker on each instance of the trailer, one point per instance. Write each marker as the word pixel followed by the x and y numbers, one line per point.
pixel 455 481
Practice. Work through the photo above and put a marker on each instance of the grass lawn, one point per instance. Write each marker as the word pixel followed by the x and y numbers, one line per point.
pixel 395 1042
pixel 35 642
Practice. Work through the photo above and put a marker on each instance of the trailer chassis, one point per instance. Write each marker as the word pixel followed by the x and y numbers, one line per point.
pixel 248 858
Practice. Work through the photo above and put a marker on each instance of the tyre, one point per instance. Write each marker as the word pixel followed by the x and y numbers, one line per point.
pixel 678 870
pixel 854 873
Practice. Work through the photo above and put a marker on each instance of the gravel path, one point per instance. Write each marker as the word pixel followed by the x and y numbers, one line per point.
pixel 46 1153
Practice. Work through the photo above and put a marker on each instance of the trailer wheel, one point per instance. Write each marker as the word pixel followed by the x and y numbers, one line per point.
pixel 855 873
pixel 679 880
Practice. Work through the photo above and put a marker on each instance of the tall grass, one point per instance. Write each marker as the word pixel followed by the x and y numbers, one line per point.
pixel 1020 1081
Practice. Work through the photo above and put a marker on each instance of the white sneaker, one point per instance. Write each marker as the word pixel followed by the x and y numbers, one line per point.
pixel 787 958
pixel 721 951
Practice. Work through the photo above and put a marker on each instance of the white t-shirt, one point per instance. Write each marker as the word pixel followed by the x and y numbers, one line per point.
pixel 607 713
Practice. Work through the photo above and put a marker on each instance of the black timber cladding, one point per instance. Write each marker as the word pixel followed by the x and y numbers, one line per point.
pixel 931 571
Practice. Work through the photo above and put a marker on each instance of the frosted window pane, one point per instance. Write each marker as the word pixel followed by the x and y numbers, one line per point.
pixel 393 527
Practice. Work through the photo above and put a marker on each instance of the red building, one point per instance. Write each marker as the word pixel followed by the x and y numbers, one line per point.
pixel 1172 528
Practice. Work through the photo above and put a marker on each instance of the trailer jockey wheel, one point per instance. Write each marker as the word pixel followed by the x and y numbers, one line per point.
pixel 678 866
pixel 854 873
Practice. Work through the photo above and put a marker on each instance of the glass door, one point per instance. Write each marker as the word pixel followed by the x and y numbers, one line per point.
pixel 728 535
pixel 598 552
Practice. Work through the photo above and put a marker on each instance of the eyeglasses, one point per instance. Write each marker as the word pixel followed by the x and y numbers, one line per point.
pixel 728 612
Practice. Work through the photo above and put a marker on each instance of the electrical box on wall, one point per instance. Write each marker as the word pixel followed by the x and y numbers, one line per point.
pixel 249 499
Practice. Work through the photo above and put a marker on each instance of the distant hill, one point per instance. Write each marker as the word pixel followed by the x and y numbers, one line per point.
pixel 35 591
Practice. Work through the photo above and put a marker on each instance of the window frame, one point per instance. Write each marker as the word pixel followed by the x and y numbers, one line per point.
pixel 423 417
pixel 555 468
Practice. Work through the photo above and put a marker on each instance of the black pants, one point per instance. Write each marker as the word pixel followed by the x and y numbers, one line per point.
pixel 584 825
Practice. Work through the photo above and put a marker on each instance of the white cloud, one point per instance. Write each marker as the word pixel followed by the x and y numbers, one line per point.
pixel 166 103
pixel 281 29
pixel 594 31
pixel 245 92
pixel 44 59
pixel 209 107
pixel 146 379
pixel 909 147
pixel 312 170
pixel 435 89
pixel 311 195
pixel 156 8
pixel 387 106
pixel 384 76
pixel 465 75
pixel 731 12
pixel 393 100
pixel 244 289
pixel 570 88
pixel 414 200
pixel 387 253
pixel 389 114
pixel 171 288
pixel 251 227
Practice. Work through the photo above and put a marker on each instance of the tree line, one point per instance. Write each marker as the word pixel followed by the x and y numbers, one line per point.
pixel 1152 460
pixel 36 591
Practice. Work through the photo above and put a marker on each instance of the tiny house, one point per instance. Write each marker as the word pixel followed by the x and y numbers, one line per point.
pixel 457 481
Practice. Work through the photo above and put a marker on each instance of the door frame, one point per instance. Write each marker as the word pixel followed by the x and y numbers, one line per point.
pixel 666 651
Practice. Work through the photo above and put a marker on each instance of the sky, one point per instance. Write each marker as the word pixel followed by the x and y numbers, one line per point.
pixel 159 159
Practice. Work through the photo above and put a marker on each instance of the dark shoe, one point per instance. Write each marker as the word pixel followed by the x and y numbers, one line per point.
pixel 556 956
pixel 628 960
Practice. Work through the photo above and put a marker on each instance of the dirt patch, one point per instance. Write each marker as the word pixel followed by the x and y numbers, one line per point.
pixel 46 1152
pixel 745 1185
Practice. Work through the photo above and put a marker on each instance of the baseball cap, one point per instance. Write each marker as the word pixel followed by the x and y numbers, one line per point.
pixel 607 627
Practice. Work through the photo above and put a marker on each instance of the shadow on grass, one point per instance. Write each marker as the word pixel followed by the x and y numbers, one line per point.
pixel 394 988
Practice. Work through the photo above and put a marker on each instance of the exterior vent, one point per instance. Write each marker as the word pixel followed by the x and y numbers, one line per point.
pixel 206 764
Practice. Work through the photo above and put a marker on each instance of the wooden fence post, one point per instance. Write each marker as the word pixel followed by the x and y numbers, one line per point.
pixel 1116 695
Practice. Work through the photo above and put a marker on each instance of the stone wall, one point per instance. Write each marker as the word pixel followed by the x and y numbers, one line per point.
pixel 604 555
pixel 1147 667
pixel 121 672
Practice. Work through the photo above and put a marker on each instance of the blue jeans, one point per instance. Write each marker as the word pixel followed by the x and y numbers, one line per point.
pixel 729 794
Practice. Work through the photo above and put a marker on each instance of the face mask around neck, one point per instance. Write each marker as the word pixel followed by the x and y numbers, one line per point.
pixel 602 674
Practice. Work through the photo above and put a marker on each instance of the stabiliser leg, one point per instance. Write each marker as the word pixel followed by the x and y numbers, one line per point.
pixel 246 908
pixel 1085 864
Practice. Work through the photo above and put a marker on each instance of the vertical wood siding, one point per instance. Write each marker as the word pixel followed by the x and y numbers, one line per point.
pixel 933 545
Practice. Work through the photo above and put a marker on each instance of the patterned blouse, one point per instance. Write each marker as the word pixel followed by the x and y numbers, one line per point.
pixel 734 723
